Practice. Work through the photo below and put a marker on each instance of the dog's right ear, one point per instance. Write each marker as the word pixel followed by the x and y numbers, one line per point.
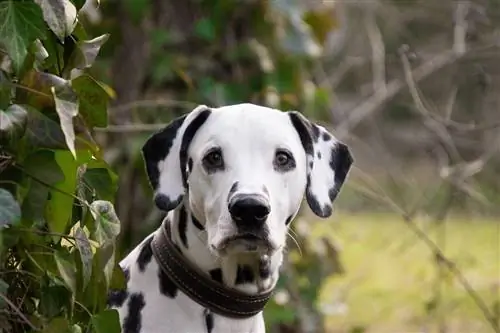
pixel 165 156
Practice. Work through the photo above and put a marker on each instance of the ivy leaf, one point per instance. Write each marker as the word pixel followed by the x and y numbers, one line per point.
pixel 93 100
pixel 10 212
pixel 67 108
pixel 106 321
pixel 83 245
pixel 60 206
pixel 60 16
pixel 103 181
pixel 75 329
pixel 60 325
pixel 67 270
pixel 43 169
pixel 86 51
pixel 107 223
pixel 12 122
pixel 21 22
pixel 43 132
pixel 5 90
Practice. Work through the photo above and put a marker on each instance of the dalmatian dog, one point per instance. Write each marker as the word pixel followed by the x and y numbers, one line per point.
pixel 231 179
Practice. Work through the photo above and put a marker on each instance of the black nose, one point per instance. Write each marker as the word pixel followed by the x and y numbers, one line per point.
pixel 249 208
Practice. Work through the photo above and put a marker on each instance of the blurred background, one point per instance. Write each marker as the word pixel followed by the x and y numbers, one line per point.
pixel 412 86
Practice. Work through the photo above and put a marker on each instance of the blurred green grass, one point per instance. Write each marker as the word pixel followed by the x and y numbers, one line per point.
pixel 390 280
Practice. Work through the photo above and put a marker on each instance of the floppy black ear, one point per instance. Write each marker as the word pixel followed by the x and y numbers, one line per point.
pixel 165 156
pixel 328 163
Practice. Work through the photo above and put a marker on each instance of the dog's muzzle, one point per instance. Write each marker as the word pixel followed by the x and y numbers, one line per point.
pixel 249 213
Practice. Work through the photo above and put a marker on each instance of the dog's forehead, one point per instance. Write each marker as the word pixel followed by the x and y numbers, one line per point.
pixel 249 123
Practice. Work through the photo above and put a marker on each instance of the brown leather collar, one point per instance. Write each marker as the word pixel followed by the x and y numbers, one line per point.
pixel 198 285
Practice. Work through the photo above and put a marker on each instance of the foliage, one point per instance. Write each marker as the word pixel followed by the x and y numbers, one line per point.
pixel 57 221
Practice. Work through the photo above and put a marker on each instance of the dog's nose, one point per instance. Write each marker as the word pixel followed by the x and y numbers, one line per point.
pixel 249 208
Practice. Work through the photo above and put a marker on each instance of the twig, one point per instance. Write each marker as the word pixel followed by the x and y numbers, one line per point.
pixel 19 313
pixel 377 100
pixel 378 51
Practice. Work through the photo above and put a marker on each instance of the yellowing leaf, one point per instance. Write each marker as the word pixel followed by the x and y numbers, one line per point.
pixel 67 108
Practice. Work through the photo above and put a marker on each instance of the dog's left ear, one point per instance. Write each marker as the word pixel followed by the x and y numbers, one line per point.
pixel 328 162
pixel 165 156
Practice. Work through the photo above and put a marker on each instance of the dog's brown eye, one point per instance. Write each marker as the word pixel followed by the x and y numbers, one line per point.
pixel 283 160
pixel 213 160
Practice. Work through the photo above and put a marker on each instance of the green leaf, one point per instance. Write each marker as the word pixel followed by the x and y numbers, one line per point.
pixel 21 22
pixel 60 16
pixel 205 29
pixel 137 8
pixel 43 171
pixel 59 325
pixel 76 329
pixel 102 181
pixel 107 223
pixel 93 101
pixel 67 108
pixel 86 51
pixel 12 122
pixel 5 90
pixel 106 322
pixel 67 269
pixel 10 212
pixel 43 132
pixel 40 51
pixel 53 299
pixel 60 206
pixel 107 261
pixel 83 245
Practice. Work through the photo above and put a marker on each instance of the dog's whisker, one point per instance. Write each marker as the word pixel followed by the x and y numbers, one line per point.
pixel 296 242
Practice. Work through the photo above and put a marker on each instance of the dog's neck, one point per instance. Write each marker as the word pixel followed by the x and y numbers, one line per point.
pixel 249 273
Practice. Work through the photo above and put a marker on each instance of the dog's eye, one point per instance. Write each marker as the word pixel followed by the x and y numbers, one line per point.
pixel 283 160
pixel 213 160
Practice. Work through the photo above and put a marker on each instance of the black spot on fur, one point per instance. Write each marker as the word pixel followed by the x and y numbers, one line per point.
pixel 183 226
pixel 190 164
pixel 315 132
pixel 145 255
pixel 319 155
pixel 197 223
pixel 133 321
pixel 311 165
pixel 288 220
pixel 304 133
pixel 126 273
pixel 315 205
pixel 164 203
pixel 264 268
pixel 116 297
pixel 244 274
pixel 340 161
pixel 167 286
pixel 157 148
pixel 188 136
pixel 209 320
pixel 326 136
pixel 216 274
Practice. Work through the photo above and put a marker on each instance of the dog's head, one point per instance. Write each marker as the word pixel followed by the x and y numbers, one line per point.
pixel 243 171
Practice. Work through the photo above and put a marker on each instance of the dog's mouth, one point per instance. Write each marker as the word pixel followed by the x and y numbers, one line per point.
pixel 246 243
